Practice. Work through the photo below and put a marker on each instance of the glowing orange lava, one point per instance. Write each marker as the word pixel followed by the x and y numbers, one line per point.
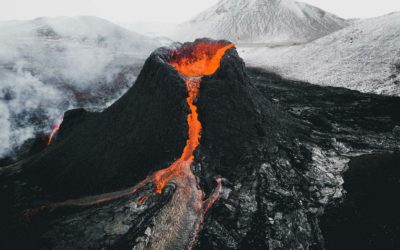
pixel 200 59
pixel 192 63
pixel 54 130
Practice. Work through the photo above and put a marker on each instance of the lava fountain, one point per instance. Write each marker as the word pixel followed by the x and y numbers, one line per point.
pixel 178 222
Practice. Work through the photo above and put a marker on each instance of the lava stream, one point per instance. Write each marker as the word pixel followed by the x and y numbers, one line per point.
pixel 54 130
pixel 192 63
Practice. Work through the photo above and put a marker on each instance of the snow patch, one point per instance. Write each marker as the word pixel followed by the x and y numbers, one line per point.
pixel 364 56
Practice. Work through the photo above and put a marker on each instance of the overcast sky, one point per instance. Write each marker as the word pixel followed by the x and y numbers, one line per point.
pixel 167 10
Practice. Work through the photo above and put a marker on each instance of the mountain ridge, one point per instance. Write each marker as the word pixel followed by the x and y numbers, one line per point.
pixel 261 21
pixel 363 57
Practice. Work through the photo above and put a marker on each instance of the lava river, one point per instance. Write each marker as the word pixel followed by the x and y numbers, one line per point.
pixel 178 222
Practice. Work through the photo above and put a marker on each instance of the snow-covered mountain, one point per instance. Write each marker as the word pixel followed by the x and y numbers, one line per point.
pixel 261 21
pixel 48 65
pixel 364 57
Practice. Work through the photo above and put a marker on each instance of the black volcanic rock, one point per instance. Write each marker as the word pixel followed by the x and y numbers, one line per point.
pixel 264 156
pixel 239 123
pixel 351 124
pixel 142 131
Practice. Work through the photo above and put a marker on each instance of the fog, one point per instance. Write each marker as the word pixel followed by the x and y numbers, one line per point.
pixel 50 65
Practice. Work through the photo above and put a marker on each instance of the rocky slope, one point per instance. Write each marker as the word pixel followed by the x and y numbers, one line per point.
pixel 49 65
pixel 364 56
pixel 280 148
pixel 261 21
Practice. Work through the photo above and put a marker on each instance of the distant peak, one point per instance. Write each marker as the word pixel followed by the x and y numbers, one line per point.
pixel 262 21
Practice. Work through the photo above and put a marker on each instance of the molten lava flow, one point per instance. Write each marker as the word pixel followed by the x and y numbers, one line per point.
pixel 188 201
pixel 200 59
pixel 162 177
pixel 54 130
pixel 192 62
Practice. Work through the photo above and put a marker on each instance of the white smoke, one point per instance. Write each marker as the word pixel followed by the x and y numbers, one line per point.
pixel 5 129
pixel 49 65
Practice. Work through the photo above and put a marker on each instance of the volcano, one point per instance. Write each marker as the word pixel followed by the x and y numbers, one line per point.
pixel 105 150
pixel 186 101
pixel 201 153
pixel 185 66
